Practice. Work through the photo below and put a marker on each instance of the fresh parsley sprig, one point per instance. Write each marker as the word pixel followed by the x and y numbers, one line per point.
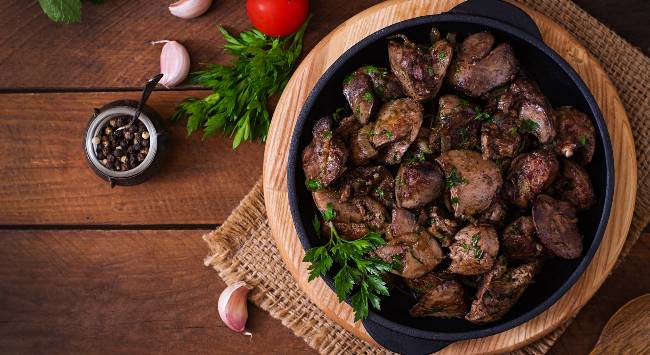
pixel 66 11
pixel 261 68
pixel 359 274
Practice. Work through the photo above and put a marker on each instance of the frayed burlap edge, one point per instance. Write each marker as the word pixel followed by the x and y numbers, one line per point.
pixel 243 248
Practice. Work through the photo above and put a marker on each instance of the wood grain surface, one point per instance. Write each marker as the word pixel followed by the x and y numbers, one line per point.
pixel 145 290
pixel 627 331
pixel 385 14
pixel 44 178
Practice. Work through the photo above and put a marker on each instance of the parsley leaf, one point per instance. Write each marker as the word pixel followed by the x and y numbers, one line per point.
pixel 454 179
pixel 313 184
pixel 66 11
pixel 528 125
pixel 357 270
pixel 261 67
pixel 583 139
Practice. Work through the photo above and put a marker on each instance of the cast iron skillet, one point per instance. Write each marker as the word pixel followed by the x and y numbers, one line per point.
pixel 392 327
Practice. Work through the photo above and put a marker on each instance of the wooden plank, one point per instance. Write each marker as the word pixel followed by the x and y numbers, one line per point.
pixel 136 292
pixel 44 178
pixel 148 292
pixel 110 47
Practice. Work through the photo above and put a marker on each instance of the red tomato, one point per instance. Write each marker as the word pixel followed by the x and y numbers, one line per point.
pixel 277 17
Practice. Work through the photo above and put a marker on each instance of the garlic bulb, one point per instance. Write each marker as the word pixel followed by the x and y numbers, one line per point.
pixel 174 63
pixel 189 8
pixel 233 308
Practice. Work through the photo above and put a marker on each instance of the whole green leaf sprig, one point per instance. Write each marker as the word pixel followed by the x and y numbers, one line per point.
pixel 359 274
pixel 66 11
pixel 261 67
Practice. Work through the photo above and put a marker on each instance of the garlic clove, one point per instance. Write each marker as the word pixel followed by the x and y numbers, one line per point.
pixel 174 63
pixel 189 8
pixel 233 308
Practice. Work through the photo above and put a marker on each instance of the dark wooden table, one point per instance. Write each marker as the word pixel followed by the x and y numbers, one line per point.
pixel 87 269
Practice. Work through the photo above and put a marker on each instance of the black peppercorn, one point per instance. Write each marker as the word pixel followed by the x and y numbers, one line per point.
pixel 141 157
pixel 128 135
pixel 125 166
pixel 113 122
pixel 117 153
pixel 145 143
pixel 124 144
pixel 106 151
pixel 111 158
pixel 137 147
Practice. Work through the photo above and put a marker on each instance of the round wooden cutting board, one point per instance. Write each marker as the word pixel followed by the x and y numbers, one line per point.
pixel 388 13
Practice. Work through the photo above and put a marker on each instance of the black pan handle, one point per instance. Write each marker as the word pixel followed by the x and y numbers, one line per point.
pixel 501 11
pixel 402 343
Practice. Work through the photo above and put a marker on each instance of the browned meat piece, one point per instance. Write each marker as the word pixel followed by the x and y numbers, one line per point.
pixel 323 160
pixel 474 250
pixel 496 213
pixel 375 181
pixel 441 226
pixel 458 128
pixel 348 127
pixel 519 243
pixel 500 137
pixel 499 290
pixel 421 147
pixel 398 119
pixel 529 175
pixel 472 182
pixel 421 73
pixel 361 149
pixel 574 186
pixel 412 255
pixel 537 120
pixel 348 231
pixel 402 222
pixel 384 83
pixel 557 226
pixel 357 88
pixel 576 135
pixel 417 184
pixel 478 68
pixel 361 209
pixel 392 153
pixel 437 297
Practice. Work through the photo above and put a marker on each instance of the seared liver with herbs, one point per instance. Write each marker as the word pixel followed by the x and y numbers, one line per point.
pixel 459 160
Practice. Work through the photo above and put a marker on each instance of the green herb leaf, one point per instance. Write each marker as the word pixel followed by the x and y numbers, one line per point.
pixel 388 134
pixel 329 213
pixel 316 224
pixel 313 184
pixel 261 68
pixel 583 139
pixel 343 282
pixel 454 200
pixel 368 96
pixel 66 11
pixel 528 125
pixel 442 56
pixel 454 179
pixel 380 193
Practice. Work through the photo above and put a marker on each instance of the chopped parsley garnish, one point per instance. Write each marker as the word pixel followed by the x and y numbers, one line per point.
pixel 380 192
pixel 478 252
pixel 396 263
pixel 358 109
pixel 457 68
pixel 368 96
pixel 454 200
pixel 313 184
pixel 528 125
pixel 371 132
pixel 454 178
pixel 464 103
pixel 583 139
pixel 442 56
pixel 348 79
pixel 359 274
pixel 464 246
pixel 481 115
pixel 398 181
pixel 371 69
pixel 430 70
pixel 388 134
pixel 338 114
pixel 327 135
pixel 513 130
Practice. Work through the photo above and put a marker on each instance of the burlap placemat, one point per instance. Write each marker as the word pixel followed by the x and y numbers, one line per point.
pixel 243 248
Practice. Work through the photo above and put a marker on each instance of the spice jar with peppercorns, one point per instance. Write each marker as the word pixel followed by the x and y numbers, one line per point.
pixel 120 151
